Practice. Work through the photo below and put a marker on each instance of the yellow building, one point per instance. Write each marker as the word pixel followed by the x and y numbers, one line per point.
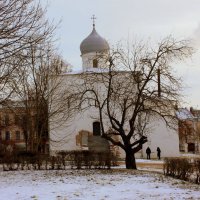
pixel 17 128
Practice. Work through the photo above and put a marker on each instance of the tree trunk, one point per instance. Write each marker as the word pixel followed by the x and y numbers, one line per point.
pixel 130 160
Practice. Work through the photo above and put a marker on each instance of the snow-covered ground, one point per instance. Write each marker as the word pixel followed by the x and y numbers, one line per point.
pixel 116 184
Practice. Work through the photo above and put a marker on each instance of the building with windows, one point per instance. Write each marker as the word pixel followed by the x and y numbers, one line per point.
pixel 17 128
pixel 83 131
pixel 12 133
pixel 189 130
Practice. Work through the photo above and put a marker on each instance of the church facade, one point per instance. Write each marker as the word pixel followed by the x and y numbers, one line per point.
pixel 83 131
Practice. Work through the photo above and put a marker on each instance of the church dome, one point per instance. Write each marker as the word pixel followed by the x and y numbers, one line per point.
pixel 94 43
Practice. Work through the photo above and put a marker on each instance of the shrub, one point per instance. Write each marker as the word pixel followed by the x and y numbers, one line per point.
pixel 87 159
pixel 79 159
pixel 197 170
pixel 181 168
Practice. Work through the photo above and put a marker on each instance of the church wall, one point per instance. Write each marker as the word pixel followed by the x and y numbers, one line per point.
pixel 63 133
pixel 160 136
pixel 64 136
pixel 67 134
pixel 163 137
pixel 87 60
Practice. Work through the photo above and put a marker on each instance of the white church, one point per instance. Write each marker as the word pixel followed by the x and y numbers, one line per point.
pixel 82 131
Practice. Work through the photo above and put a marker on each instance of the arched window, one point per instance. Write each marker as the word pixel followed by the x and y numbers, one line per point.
pixel 95 63
pixel 96 128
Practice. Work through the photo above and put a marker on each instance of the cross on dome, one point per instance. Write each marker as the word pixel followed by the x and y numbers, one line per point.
pixel 93 20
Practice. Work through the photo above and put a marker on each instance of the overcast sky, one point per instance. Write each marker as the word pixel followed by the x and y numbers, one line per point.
pixel 123 19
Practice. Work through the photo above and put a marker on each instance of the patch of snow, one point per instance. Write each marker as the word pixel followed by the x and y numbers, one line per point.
pixel 114 184
pixel 149 161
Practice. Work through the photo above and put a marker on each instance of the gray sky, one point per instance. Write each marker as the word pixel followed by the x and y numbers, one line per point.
pixel 123 19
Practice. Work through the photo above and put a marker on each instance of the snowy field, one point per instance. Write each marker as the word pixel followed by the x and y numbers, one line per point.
pixel 116 184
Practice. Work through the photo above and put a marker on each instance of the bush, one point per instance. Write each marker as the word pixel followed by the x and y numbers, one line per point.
pixel 88 159
pixel 183 168
pixel 180 168
pixel 197 170
pixel 79 159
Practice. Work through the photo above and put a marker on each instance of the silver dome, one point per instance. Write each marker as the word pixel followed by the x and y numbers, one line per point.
pixel 94 43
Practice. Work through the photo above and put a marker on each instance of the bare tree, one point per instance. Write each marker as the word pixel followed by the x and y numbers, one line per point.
pixel 134 86
pixel 37 88
pixel 22 23
pixel 28 64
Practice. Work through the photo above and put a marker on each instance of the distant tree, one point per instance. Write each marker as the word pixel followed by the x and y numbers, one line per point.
pixel 37 88
pixel 132 87
pixel 22 23
pixel 29 63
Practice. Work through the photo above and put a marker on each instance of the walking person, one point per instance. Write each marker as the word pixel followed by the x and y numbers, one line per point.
pixel 148 152
pixel 158 153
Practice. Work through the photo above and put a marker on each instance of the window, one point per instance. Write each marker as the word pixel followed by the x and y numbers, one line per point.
pixel 17 119
pixel 95 63
pixel 181 147
pixel 96 128
pixel 25 135
pixel 6 119
pixel 17 134
pixel 191 147
pixel 24 119
pixel 7 135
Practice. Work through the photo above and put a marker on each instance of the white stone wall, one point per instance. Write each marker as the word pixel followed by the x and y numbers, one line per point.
pixel 64 136
pixel 163 137
pixel 87 59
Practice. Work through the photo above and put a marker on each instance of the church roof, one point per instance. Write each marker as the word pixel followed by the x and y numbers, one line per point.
pixel 94 43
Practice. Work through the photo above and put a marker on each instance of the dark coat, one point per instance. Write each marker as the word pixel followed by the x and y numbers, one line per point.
pixel 158 150
pixel 148 150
